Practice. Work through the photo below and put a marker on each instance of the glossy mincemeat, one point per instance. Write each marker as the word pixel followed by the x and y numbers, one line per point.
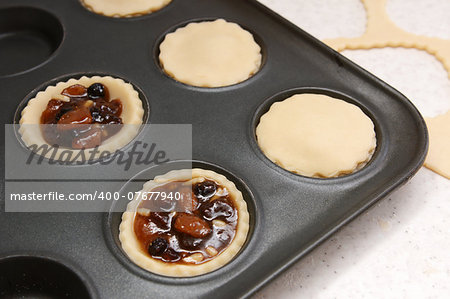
pixel 85 121
pixel 201 227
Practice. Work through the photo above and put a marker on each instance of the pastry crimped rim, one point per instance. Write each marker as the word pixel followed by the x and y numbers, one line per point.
pixel 126 9
pixel 132 247
pixel 288 151
pixel 132 114
pixel 170 48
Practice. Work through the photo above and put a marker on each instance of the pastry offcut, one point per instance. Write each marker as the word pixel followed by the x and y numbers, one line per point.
pixel 316 135
pixel 124 8
pixel 210 54
pixel 199 226
pixel 438 158
pixel 382 32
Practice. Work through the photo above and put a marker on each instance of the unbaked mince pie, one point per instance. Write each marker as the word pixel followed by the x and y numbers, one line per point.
pixel 103 112
pixel 200 233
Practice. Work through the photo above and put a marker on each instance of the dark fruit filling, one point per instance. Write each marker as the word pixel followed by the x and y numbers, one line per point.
pixel 85 121
pixel 158 247
pixel 204 228
pixel 205 190
pixel 96 90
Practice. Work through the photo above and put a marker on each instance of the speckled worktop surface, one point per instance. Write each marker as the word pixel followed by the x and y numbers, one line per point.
pixel 400 248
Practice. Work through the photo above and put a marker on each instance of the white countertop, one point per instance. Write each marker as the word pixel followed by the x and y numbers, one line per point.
pixel 400 248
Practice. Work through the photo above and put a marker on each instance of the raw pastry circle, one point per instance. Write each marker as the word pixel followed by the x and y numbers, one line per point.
pixel 438 158
pixel 132 113
pixel 131 245
pixel 210 54
pixel 316 135
pixel 124 8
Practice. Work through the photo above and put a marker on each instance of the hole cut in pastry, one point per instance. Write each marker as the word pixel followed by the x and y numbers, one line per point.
pixel 381 32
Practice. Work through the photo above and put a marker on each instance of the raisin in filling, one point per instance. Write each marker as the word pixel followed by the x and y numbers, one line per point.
pixel 85 121
pixel 203 230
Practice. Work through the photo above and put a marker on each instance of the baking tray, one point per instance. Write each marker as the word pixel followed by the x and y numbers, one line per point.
pixel 290 214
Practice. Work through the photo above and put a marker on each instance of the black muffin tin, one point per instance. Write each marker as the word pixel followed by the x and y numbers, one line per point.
pixel 78 254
